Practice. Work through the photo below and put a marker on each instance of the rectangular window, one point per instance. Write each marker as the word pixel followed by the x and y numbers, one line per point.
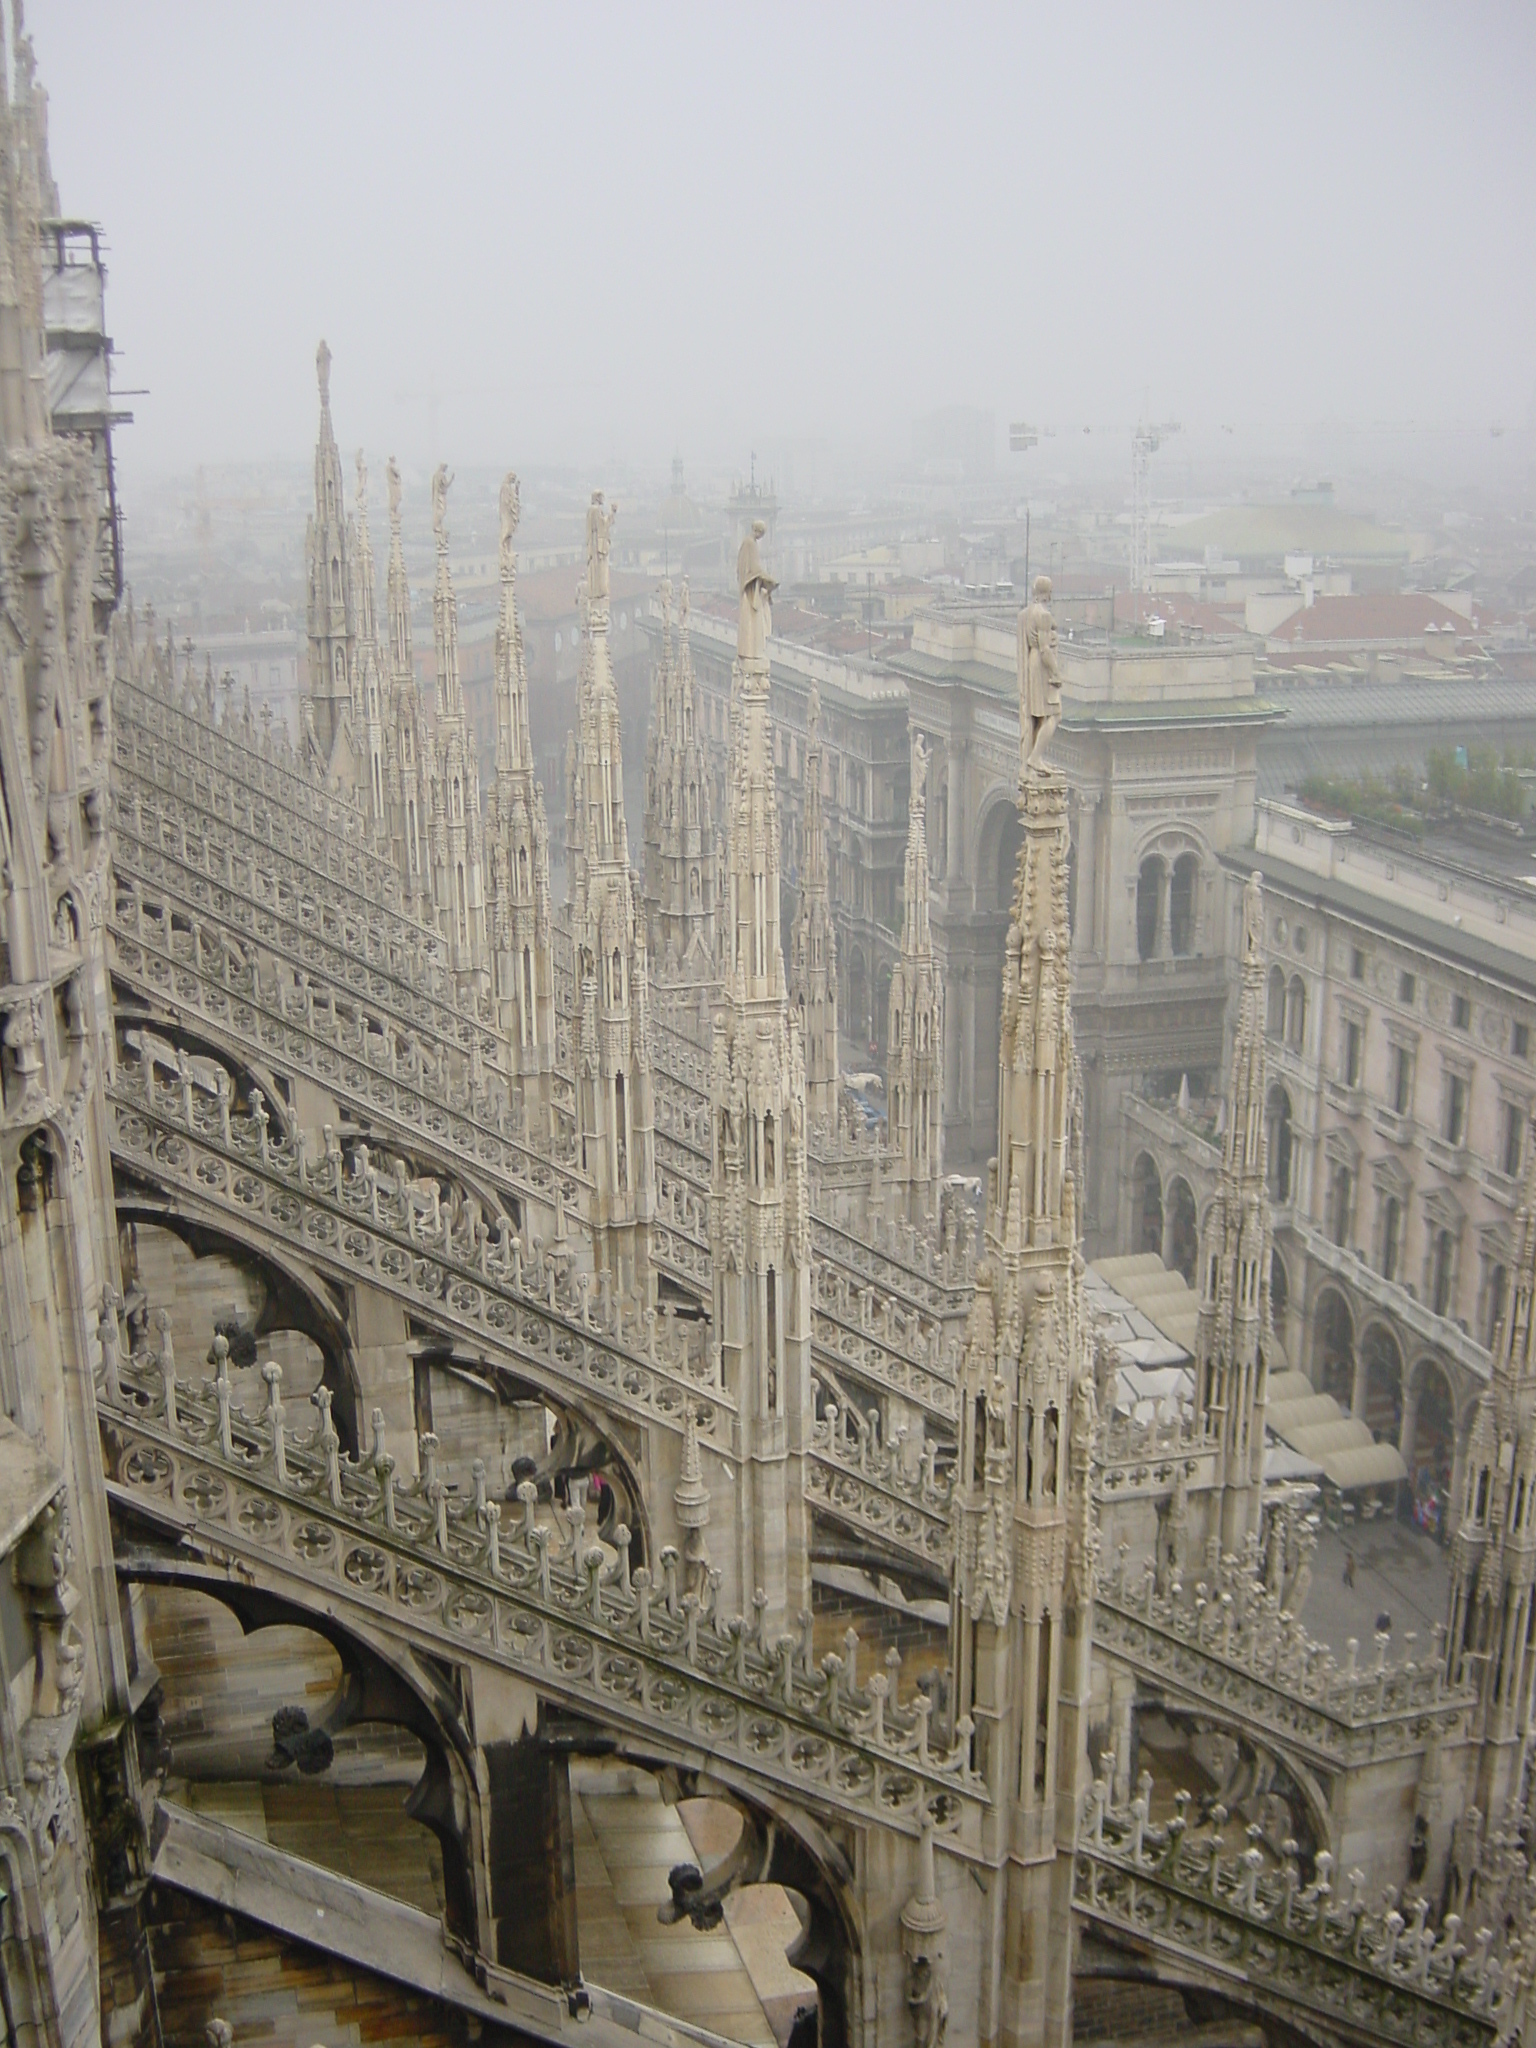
pixel 1461 1013
pixel 1512 1148
pixel 1357 965
pixel 1354 1040
pixel 1402 1079
pixel 1405 988
pixel 1521 1046
pixel 1455 1127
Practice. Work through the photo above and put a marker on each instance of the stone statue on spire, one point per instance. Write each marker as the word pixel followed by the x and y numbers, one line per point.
pixel 392 479
pixel 1253 918
pixel 511 514
pixel 441 481
pixel 323 372
pixel 757 588
pixel 599 543
pixel 1039 676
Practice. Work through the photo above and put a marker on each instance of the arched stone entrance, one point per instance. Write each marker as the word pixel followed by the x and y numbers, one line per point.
pixel 1333 1347
pixel 1146 1206
pixel 1380 1383
pixel 1182 1252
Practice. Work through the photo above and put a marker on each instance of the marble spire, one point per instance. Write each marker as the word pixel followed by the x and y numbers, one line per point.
pixel 759 1193
pixel 457 885
pixel 813 943
pixel 368 691
pixel 1232 1335
pixel 915 1057
pixel 615 1112
pixel 517 836
pixel 329 612
pixel 679 833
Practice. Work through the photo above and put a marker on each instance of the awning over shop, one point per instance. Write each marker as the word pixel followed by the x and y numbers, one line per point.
pixel 1315 1426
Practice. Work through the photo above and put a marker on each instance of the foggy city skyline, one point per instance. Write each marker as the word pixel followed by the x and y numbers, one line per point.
pixel 562 239
pixel 767 1027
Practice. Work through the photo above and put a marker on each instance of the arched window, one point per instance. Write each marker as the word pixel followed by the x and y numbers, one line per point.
pixel 1498 1293
pixel 1391 1236
pixel 1341 1204
pixel 1442 1280
pixel 1296 1014
pixel 1274 1013
pixel 1149 906
pixel 1181 904
pixel 1279 1292
pixel 1277 1119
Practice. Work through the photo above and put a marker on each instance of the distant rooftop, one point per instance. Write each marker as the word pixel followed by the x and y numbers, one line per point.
pixel 1372 617
pixel 1300 526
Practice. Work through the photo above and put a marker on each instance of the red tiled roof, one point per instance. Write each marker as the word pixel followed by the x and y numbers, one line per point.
pixel 1368 615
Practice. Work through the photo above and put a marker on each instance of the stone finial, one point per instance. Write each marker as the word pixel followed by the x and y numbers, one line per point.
pixel 323 372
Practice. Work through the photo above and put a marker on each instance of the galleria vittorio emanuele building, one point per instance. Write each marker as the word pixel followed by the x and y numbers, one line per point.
pixel 526 1518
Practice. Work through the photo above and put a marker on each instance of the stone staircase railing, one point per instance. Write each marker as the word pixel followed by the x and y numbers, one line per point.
pixel 641 1651
pixel 174 747
pixel 526 1304
pixel 879 1488
pixel 335 1038
pixel 287 906
pixel 1362 1969
pixel 1229 1641
pixel 901 1262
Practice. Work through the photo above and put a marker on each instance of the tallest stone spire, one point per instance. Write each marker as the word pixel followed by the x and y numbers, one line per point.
pixel 1021 1621
pixel 330 615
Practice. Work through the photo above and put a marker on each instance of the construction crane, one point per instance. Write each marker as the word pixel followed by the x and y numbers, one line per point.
pixel 1145 442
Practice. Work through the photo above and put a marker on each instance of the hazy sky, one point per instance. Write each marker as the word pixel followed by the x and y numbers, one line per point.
pixel 535 234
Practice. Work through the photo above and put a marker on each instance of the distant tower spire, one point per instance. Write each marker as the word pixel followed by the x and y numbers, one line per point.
pixel 679 835
pixel 518 838
pixel 456 851
pixel 329 606
pixel 368 694
pixel 407 740
pixel 614 1090
pixel 813 943
pixel 915 1083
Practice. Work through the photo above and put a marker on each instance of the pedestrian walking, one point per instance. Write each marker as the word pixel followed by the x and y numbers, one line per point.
pixel 1349 1570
